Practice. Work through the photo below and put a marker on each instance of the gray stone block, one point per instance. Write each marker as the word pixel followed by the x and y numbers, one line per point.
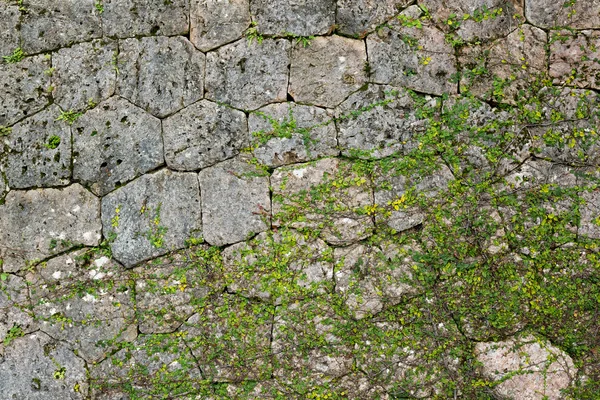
pixel 144 217
pixel 129 18
pixel 327 71
pixel 114 143
pixel 9 32
pixel 235 202
pixel 552 14
pixel 299 18
pixel 214 23
pixel 39 151
pixel 248 75
pixel 162 75
pixel 203 134
pixel 590 215
pixel 574 58
pixel 358 17
pixel 15 308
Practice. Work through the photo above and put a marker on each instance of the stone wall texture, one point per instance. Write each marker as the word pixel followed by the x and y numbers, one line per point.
pixel 299 199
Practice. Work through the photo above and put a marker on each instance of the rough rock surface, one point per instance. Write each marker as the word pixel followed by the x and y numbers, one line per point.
pixel 235 201
pixel 590 215
pixel 36 223
pixel 9 34
pixel 573 58
pixel 214 23
pixel 358 17
pixel 203 134
pixel 49 24
pixel 129 18
pixel 288 133
pixel 14 309
pixel 24 88
pixel 84 74
pixel 540 369
pixel 51 369
pixel 161 74
pixel 248 75
pixel 39 151
pixel 574 14
pixel 145 215
pixel 327 71
pixel 114 143
pixel 299 18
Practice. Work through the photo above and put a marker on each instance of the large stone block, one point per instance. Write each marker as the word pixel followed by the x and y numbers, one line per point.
pixel 572 14
pixel 129 18
pixel 299 18
pixel 214 23
pixel 358 17
pixel 9 32
pixel 114 143
pixel 162 75
pixel 574 58
pixel 248 75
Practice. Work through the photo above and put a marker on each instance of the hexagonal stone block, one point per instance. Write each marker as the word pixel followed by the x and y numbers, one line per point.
pixel 9 32
pixel 84 74
pixel 162 75
pixel 358 17
pixel 573 14
pixel 114 143
pixel 145 216
pixel 288 133
pixel 24 88
pixel 416 58
pixel 36 223
pixel 203 134
pixel 214 23
pixel 574 58
pixel 248 75
pixel 39 151
pixel 236 201
pixel 305 18
pixel 49 24
pixel 31 365
pixel 84 298
pixel 327 71
pixel 129 18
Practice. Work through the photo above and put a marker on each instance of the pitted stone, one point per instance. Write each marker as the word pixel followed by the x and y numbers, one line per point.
pixel 574 58
pixel 129 18
pixel 35 224
pixel 204 134
pixel 306 133
pixel 50 24
pixel 9 32
pixel 162 75
pixel 590 215
pixel 215 23
pixel 299 18
pixel 573 14
pixel 39 151
pixel 235 201
pixel 84 74
pixel 248 75
pixel 416 58
pixel 145 215
pixel 114 143
pixel 24 88
pixel 358 17
pixel 38 367
pixel 15 314
pixel 84 298
pixel 327 71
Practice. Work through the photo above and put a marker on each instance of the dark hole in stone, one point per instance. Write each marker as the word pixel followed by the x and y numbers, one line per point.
pixel 103 165
pixel 119 162
pixel 154 30
pixel 290 97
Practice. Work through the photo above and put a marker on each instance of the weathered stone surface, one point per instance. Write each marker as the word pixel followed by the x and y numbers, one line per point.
pixel 416 58
pixel 327 71
pixel 35 223
pixel 38 367
pixel 383 130
pixel 235 202
pixel 145 215
pixel 325 196
pixel 84 74
pixel 248 75
pixel 39 151
pixel 300 18
pixel 215 22
pixel 574 14
pixel 288 133
pixel 24 88
pixel 358 17
pixel 15 319
pixel 49 24
pixel 203 134
pixel 590 215
pixel 114 143
pixel 129 18
pixel 9 34
pixel 160 74
pixel 540 369
pixel 84 298
pixel 573 58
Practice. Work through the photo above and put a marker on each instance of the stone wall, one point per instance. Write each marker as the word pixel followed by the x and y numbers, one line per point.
pixel 323 199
